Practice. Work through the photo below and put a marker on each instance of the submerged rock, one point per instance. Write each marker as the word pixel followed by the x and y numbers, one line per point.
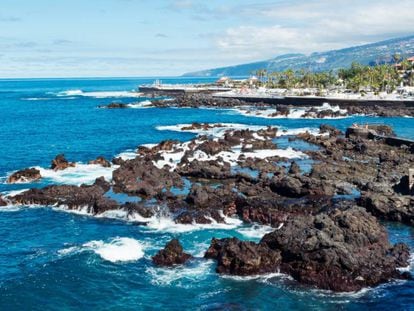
pixel 60 163
pixel 342 250
pixel 237 257
pixel 26 175
pixel 172 254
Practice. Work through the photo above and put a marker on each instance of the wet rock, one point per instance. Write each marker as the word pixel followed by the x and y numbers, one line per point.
pixel 251 145
pixel 139 208
pixel 243 258
pixel 118 161
pixel 341 250
pixel 268 133
pixel 26 175
pixel 141 177
pixel 102 183
pixel 200 126
pixel 294 168
pixel 205 196
pixel 2 201
pixel 205 205
pixel 269 209
pixel 100 161
pixel 60 163
pixel 212 147
pixel 205 169
pixel 165 145
pixel 299 186
pixel 389 207
pixel 331 130
pixel 86 198
pixel 115 106
pixel 171 255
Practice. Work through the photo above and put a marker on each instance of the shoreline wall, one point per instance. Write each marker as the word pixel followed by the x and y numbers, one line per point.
pixel 306 101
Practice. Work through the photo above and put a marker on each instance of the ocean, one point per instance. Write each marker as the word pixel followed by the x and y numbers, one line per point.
pixel 51 259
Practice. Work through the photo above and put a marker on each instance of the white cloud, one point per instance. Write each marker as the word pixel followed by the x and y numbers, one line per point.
pixel 316 26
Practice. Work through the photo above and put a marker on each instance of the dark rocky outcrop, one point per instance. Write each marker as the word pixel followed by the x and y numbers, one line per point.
pixel 204 169
pixel 139 208
pixel 89 198
pixel 2 201
pixel 100 161
pixel 342 250
pixel 115 106
pixel 237 257
pixel 141 177
pixel 389 207
pixel 172 254
pixel 165 145
pixel 212 147
pixel 200 126
pixel 60 163
pixel 118 161
pixel 26 175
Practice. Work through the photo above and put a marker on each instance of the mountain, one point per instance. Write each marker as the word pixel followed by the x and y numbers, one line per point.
pixel 369 54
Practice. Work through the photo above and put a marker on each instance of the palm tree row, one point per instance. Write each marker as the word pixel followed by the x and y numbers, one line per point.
pixel 380 78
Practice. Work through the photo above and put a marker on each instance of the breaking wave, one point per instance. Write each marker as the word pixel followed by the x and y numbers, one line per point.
pixel 117 250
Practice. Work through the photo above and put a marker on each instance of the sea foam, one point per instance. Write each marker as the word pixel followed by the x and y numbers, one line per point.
pixel 100 94
pixel 119 249
pixel 294 113
pixel 80 174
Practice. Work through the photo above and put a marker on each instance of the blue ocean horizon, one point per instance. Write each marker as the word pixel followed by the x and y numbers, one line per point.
pixel 53 259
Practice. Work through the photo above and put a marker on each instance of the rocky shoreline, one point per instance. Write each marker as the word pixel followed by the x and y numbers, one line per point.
pixel 327 232
pixel 205 100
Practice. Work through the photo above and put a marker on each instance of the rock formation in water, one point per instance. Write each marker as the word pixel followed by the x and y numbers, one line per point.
pixel 26 175
pixel 172 254
pixel 60 163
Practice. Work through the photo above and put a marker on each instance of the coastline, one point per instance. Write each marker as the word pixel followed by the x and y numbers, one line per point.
pixel 126 236
pixel 161 168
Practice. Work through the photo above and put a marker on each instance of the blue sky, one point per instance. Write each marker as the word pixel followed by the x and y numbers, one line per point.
pixel 81 38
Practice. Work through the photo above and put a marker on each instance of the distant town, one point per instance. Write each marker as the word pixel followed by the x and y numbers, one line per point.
pixel 390 82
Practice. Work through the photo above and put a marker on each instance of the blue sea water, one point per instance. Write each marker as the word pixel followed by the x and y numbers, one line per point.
pixel 51 259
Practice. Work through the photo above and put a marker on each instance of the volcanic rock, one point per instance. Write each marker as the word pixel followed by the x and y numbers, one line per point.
pixel 237 257
pixel 2 201
pixel 171 255
pixel 60 163
pixel 100 161
pixel 26 175
pixel 89 198
pixel 141 177
pixel 341 250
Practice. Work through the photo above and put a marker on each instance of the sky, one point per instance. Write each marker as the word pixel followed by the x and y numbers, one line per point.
pixel 121 38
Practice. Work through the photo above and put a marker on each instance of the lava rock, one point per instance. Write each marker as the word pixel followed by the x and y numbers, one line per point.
pixel 89 198
pixel 2 201
pixel 243 258
pixel 341 250
pixel 141 177
pixel 60 163
pixel 100 161
pixel 115 106
pixel 171 255
pixel 26 175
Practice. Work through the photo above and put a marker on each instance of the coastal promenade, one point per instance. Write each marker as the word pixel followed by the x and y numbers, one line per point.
pixel 316 100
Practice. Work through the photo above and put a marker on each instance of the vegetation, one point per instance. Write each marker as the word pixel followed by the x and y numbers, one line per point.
pixel 358 78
